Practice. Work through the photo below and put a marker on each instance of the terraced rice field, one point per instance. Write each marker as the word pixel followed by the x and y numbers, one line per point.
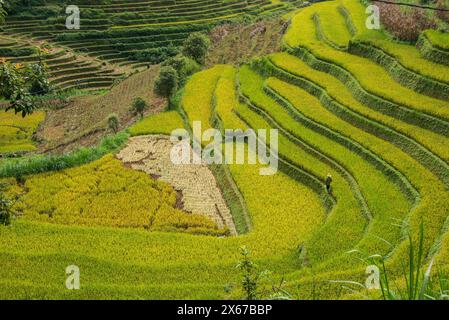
pixel 118 36
pixel 67 70
pixel 346 101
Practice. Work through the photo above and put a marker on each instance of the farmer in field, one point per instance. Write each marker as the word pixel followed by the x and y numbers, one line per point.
pixel 328 183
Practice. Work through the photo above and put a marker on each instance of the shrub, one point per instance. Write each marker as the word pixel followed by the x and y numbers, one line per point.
pixel 14 52
pixel 139 106
pixel 113 122
pixel 154 55
pixel 167 82
pixel 196 46
pixel 183 65
pixel 250 275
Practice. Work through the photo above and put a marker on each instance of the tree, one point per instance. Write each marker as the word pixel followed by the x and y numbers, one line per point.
pixel 22 102
pixel 183 65
pixel 37 78
pixel 167 82
pixel 196 46
pixel 139 106
pixel 18 84
pixel 113 122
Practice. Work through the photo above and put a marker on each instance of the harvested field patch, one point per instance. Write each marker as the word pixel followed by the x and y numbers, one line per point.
pixel 151 154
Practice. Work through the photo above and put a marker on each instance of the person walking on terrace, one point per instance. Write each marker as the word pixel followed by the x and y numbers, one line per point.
pixel 328 183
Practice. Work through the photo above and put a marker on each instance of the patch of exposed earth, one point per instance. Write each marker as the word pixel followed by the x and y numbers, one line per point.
pixel 197 188
pixel 237 43
pixel 82 121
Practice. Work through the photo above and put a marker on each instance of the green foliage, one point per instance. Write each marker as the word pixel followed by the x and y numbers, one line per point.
pixel 154 55
pixel 19 84
pixel 45 163
pixel 251 276
pixel 416 282
pixel 184 67
pixel 37 78
pixel 139 106
pixel 167 82
pixel 17 52
pixel 196 46
pixel 113 122
pixel 258 284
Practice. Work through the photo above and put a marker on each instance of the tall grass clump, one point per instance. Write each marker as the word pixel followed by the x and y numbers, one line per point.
pixel 415 282
pixel 418 281
pixel 45 163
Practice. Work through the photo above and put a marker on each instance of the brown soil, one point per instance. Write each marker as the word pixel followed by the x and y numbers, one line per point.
pixel 238 43
pixel 83 121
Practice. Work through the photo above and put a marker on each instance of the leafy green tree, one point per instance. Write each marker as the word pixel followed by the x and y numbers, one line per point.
pixel 167 82
pixel 139 106
pixel 183 65
pixel 11 80
pixel 22 102
pixel 19 85
pixel 196 46
pixel 37 78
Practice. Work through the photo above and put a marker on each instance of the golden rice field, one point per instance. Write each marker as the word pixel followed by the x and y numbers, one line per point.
pixel 16 132
pixel 353 103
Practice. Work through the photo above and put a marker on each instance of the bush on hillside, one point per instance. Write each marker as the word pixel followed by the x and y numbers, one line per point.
pixel 196 46
pixel 113 122
pixel 154 55
pixel 139 106
pixel 167 82
pixel 183 65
